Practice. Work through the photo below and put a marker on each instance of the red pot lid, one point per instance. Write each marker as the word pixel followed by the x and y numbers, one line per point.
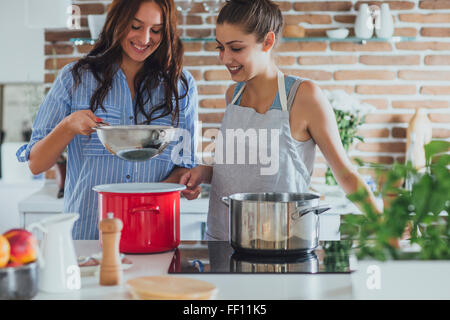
pixel 156 187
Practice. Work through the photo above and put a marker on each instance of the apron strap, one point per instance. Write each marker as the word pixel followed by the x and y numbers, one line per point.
pixel 238 94
pixel 293 92
pixel 282 91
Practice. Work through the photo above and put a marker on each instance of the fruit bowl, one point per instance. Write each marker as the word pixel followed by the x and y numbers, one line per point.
pixel 19 283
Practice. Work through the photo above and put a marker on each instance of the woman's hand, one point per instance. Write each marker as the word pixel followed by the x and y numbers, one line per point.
pixel 182 176
pixel 81 122
pixel 46 152
pixel 192 180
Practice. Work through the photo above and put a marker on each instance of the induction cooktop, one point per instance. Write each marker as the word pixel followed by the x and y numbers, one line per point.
pixel 219 257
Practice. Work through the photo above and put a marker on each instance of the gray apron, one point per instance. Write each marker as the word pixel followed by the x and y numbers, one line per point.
pixel 283 164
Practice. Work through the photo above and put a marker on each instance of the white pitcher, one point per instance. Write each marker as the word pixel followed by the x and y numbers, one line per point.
pixel 59 271
pixel 364 23
pixel 384 26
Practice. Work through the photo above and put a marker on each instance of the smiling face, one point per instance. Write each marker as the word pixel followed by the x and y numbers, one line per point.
pixel 243 56
pixel 145 33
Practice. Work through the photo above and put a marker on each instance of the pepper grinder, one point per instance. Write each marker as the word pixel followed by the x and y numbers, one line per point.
pixel 111 267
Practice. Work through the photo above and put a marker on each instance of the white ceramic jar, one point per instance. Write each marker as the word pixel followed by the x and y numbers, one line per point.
pixel 384 23
pixel 364 23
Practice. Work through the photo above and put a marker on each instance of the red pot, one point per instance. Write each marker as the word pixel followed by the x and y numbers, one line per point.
pixel 150 213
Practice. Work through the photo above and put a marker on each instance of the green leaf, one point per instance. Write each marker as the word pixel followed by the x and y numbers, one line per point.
pixel 421 194
pixel 435 147
pixel 359 162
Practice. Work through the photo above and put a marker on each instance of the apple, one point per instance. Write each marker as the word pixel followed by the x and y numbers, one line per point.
pixel 23 246
pixel 4 251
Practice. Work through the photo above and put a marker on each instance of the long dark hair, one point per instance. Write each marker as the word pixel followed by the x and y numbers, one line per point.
pixel 162 66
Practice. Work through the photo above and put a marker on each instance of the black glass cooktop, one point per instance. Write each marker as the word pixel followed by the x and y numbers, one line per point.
pixel 219 257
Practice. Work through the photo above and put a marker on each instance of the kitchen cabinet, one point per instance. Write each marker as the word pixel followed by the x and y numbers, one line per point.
pixel 17 65
pixel 22 24
pixel 193 225
pixel 11 194
pixel 41 204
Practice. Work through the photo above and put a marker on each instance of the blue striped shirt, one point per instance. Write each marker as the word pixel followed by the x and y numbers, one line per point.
pixel 89 163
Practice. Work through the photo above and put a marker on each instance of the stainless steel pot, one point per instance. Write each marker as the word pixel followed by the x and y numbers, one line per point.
pixel 19 283
pixel 136 142
pixel 274 223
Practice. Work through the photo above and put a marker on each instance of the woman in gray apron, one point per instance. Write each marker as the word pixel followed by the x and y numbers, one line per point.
pixel 260 149
pixel 293 159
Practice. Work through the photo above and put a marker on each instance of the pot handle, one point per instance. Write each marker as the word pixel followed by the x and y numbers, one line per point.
pixel 225 201
pixel 302 211
pixel 149 208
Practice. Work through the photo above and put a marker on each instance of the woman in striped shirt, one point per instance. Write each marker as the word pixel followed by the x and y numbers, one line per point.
pixel 133 75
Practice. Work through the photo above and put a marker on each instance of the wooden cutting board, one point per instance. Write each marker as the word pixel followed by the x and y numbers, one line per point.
pixel 170 288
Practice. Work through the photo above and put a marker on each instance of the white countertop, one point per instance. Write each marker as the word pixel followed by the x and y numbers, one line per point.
pixel 387 280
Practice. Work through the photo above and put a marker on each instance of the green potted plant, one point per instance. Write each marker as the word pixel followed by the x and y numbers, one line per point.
pixel 420 210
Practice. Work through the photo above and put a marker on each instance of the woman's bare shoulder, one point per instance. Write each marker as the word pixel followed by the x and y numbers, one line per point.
pixel 309 91
pixel 309 98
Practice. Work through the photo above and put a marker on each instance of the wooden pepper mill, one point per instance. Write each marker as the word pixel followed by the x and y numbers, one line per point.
pixel 111 267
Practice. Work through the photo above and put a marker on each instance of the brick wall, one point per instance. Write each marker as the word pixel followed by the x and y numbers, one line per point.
pixel 395 77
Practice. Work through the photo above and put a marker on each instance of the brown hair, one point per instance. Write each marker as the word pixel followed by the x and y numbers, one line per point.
pixel 257 17
pixel 164 66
